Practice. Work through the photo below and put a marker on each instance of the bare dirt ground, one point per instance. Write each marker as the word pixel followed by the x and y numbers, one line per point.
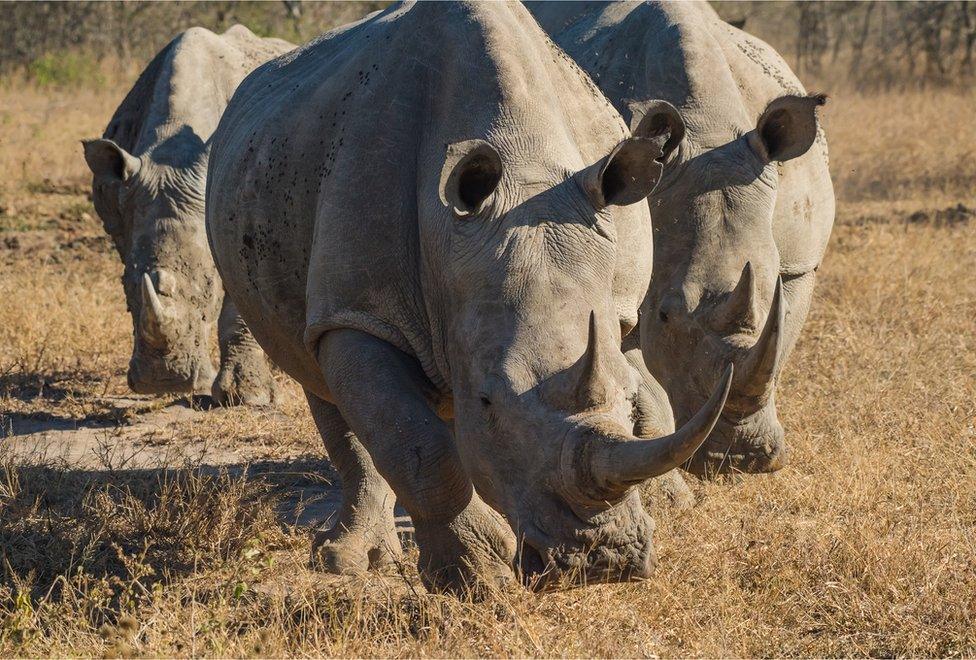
pixel 157 526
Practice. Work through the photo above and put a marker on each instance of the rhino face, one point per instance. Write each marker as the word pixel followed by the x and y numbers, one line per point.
pixel 154 213
pixel 716 295
pixel 542 393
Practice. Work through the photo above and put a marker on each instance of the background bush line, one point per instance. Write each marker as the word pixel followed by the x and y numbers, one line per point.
pixel 97 43
pixel 875 44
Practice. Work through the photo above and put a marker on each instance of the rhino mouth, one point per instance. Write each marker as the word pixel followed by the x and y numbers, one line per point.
pixel 734 448
pixel 543 564
pixel 157 377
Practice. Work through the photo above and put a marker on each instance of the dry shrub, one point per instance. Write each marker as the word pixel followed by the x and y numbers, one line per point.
pixel 100 544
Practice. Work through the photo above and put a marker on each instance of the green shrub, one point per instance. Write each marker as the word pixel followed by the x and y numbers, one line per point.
pixel 65 69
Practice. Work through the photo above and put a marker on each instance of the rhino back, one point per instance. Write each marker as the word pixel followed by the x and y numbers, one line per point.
pixel 127 124
pixel 188 84
pixel 327 158
pixel 719 76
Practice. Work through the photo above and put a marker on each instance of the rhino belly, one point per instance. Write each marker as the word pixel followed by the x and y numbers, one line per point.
pixel 262 259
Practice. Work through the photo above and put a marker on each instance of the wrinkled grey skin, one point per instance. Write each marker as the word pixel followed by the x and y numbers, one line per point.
pixel 148 188
pixel 435 223
pixel 745 199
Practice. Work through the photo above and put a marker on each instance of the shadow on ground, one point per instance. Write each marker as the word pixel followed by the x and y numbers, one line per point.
pixel 154 524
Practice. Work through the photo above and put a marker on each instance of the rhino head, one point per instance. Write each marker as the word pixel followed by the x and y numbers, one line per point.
pixel 716 295
pixel 152 207
pixel 525 255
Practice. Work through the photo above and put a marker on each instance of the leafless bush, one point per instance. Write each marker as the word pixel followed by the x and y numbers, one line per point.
pixel 34 31
pixel 873 44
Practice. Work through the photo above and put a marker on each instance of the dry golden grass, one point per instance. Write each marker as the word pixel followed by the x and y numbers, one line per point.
pixel 865 545
pixel 40 130
pixel 917 146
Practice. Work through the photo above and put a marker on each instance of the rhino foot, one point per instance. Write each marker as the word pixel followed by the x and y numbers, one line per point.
pixel 468 556
pixel 244 382
pixel 244 377
pixel 347 552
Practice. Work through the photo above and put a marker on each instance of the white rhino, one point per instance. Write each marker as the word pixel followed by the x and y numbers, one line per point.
pixel 148 187
pixel 435 223
pixel 741 216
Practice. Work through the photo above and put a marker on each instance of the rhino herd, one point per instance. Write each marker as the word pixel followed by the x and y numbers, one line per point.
pixel 441 221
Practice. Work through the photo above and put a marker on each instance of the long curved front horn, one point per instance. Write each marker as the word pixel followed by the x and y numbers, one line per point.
pixel 607 464
pixel 756 373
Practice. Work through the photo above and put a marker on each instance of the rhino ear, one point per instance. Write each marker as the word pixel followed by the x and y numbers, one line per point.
pixel 628 175
pixel 656 117
pixel 787 127
pixel 472 170
pixel 105 158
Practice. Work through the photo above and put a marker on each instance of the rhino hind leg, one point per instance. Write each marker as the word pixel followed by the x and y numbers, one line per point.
pixel 364 535
pixel 653 418
pixel 383 393
pixel 244 377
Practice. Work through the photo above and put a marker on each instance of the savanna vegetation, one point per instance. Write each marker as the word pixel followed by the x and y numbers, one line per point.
pixel 129 529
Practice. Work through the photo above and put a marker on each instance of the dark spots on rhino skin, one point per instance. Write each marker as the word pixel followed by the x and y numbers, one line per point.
pixel 248 241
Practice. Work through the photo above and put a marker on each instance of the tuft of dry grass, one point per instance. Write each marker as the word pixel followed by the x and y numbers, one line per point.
pixel 41 129
pixel 914 146
pixel 865 545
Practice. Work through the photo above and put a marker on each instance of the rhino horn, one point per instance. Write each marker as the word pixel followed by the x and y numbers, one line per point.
pixel 615 462
pixel 154 315
pixel 591 389
pixel 757 371
pixel 739 310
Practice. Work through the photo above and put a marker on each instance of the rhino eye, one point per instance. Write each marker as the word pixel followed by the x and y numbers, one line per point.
pixel 485 401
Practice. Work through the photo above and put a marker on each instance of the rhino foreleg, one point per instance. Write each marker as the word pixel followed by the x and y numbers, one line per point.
pixel 244 376
pixel 653 418
pixel 364 535
pixel 386 398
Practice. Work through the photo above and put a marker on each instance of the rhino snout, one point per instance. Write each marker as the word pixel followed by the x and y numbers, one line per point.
pixel 619 549
pixel 158 375
pixel 755 444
